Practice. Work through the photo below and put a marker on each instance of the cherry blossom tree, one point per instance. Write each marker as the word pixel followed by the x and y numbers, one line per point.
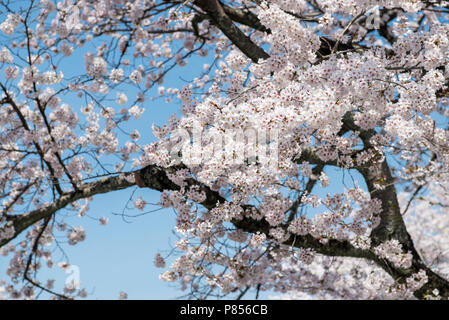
pixel 291 89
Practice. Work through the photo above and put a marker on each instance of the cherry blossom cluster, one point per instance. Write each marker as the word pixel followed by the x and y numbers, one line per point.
pixel 255 137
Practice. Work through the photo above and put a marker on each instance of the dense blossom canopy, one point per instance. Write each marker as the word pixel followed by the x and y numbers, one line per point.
pixel 291 91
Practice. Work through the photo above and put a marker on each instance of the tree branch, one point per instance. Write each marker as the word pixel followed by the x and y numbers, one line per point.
pixel 219 18
pixel 23 221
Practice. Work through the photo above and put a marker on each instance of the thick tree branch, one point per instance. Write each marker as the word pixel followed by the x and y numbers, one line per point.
pixel 155 178
pixel 381 185
pixel 218 16
pixel 23 221
pixel 246 18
